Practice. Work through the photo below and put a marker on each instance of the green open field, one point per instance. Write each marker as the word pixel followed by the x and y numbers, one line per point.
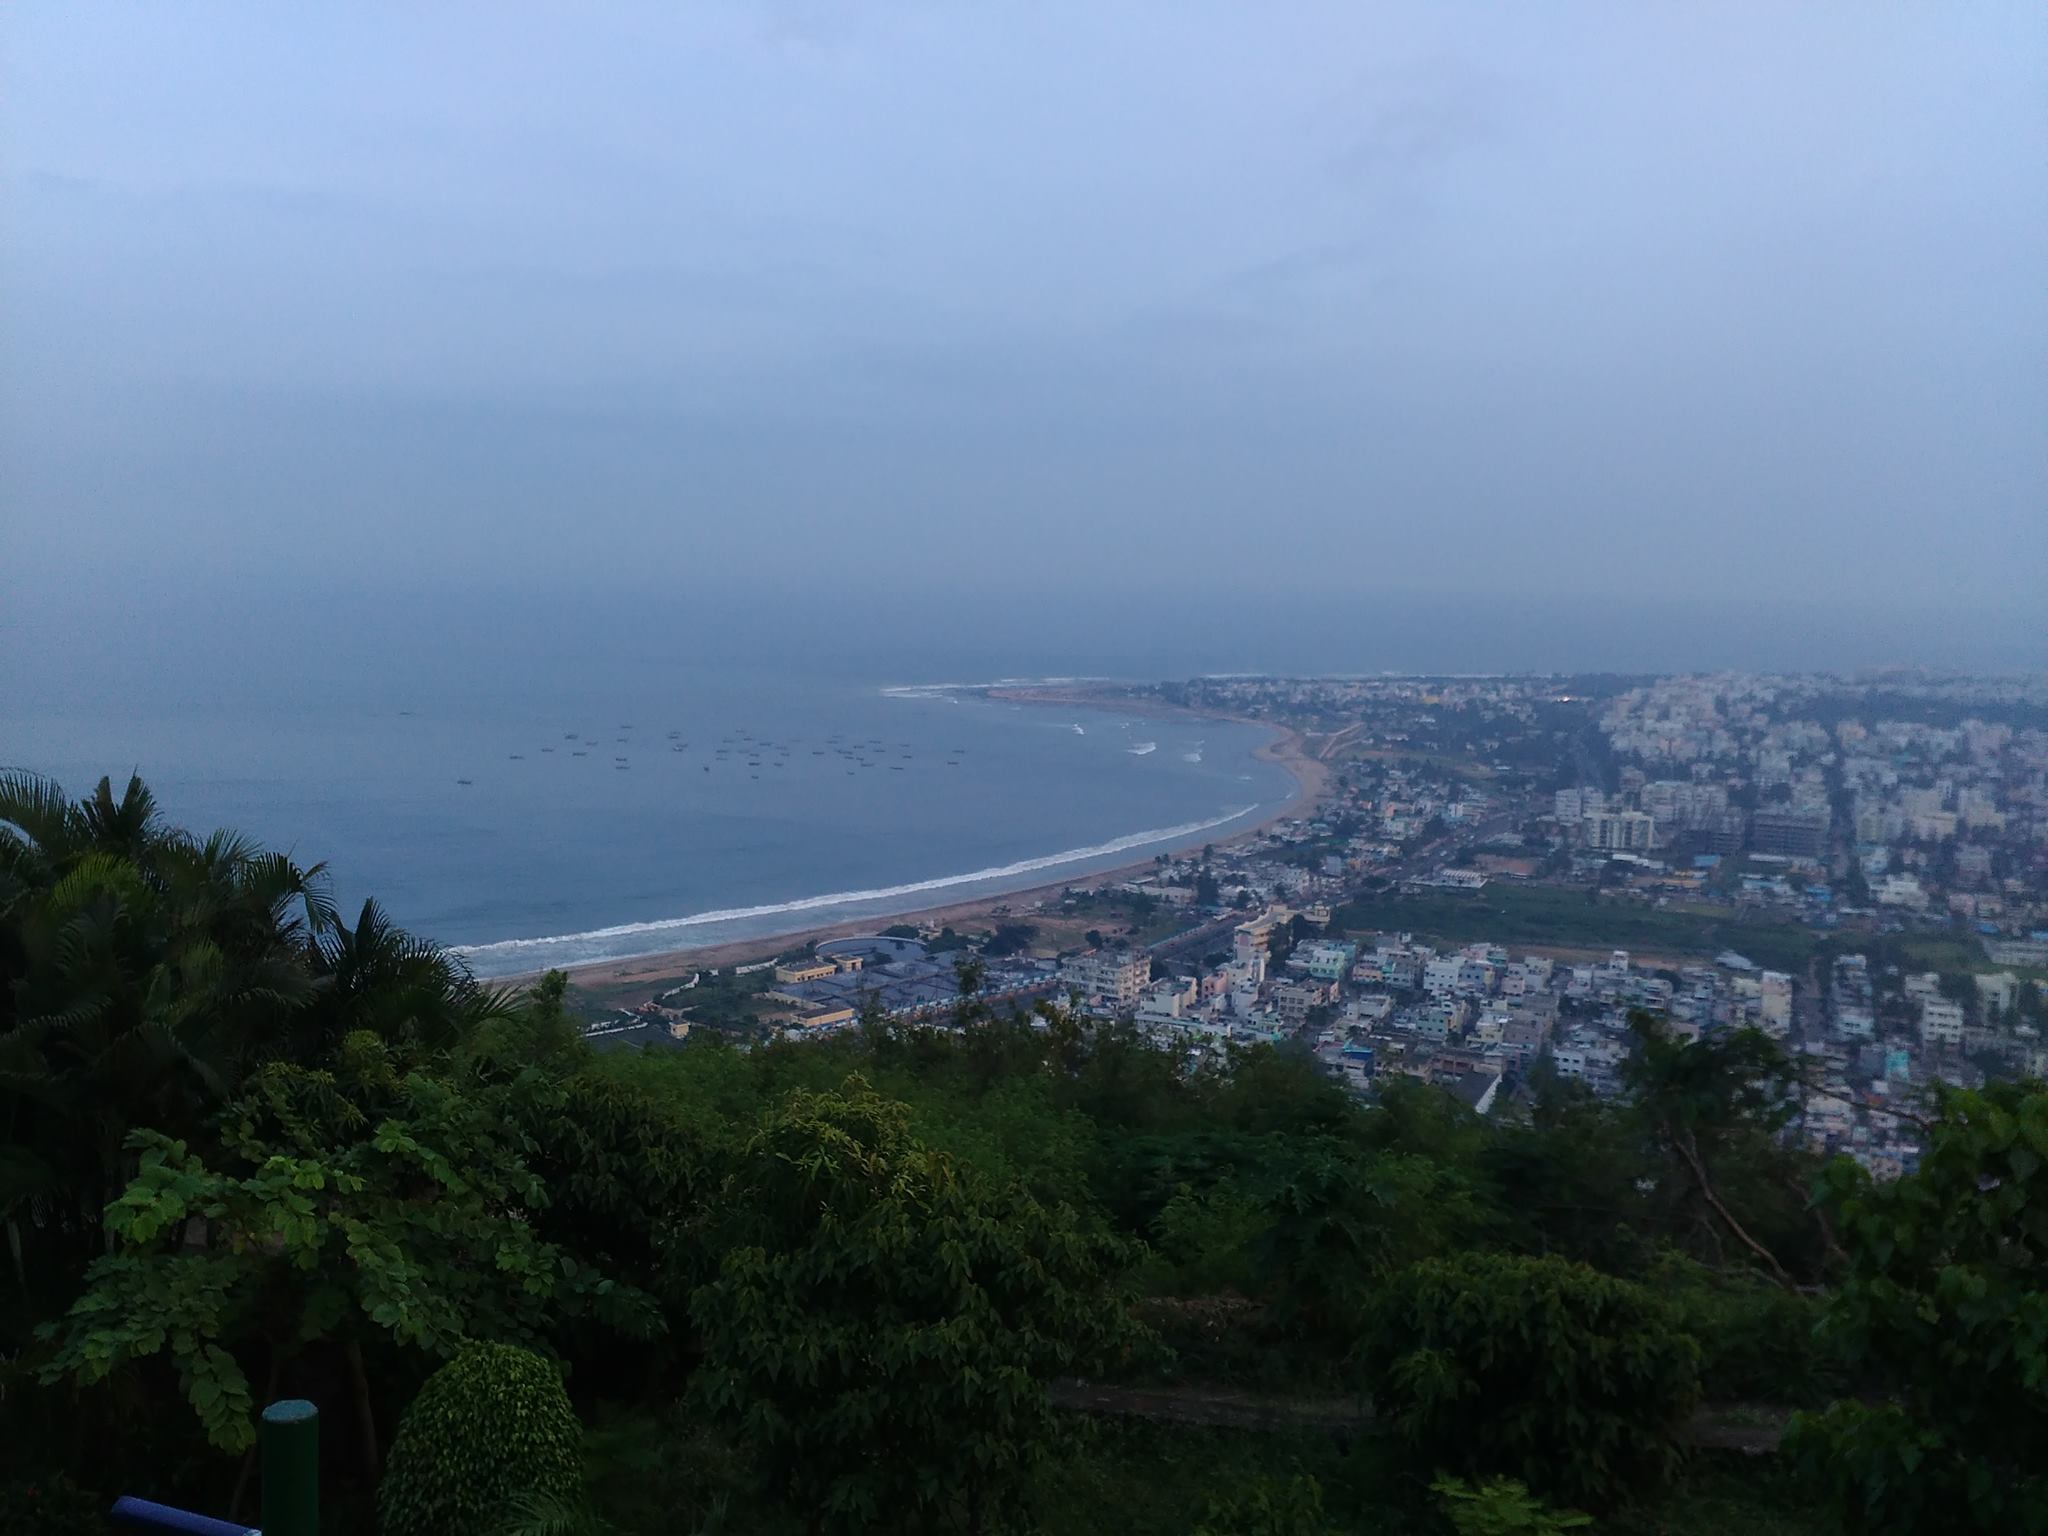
pixel 1539 916
pixel 1457 767
pixel 726 1001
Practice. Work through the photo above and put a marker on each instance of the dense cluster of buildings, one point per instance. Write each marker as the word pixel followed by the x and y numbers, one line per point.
pixel 1889 1033
pixel 1848 806
pixel 1481 1021
pixel 1901 822
pixel 1945 817
pixel 1475 1019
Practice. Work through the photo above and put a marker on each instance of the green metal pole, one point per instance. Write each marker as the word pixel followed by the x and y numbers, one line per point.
pixel 291 1469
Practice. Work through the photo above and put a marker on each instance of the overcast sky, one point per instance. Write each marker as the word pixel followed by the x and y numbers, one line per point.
pixel 1430 298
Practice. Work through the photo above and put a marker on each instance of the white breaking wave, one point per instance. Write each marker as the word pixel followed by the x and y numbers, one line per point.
pixel 1142 748
pixel 597 943
pixel 937 690
pixel 1079 732
pixel 1192 757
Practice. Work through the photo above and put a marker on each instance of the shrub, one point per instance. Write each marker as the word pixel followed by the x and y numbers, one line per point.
pixel 1500 1506
pixel 1758 1341
pixel 490 1430
pixel 1533 1368
pixel 884 1322
pixel 1270 1507
pixel 1945 1304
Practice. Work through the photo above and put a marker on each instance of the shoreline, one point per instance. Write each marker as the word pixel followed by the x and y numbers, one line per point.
pixel 1310 776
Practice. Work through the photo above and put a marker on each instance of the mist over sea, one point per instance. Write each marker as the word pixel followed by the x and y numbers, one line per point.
pixel 338 725
pixel 715 797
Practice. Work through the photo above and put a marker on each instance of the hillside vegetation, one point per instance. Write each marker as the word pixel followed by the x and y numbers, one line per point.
pixel 255 1147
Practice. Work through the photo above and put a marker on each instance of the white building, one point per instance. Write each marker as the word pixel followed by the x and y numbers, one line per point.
pixel 1574 805
pixel 1900 891
pixel 1618 831
pixel 1166 1002
pixel 1941 1024
pixel 1774 1003
pixel 1115 976
pixel 1998 991
pixel 1250 947
pixel 1923 987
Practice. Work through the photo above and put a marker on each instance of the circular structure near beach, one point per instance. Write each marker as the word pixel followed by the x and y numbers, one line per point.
pixel 873 949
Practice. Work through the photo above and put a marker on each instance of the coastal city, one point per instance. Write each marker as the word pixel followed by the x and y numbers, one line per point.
pixel 1023 770
pixel 1488 878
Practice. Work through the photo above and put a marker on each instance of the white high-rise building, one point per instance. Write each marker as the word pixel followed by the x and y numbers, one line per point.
pixel 1574 805
pixel 1618 831
pixel 1117 976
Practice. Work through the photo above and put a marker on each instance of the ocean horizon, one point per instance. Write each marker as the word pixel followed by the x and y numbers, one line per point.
pixel 350 747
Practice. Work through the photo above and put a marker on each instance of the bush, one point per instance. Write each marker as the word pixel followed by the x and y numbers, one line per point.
pixel 1944 1302
pixel 1539 1369
pixel 884 1322
pixel 1759 1343
pixel 491 1429
pixel 1270 1507
pixel 1501 1506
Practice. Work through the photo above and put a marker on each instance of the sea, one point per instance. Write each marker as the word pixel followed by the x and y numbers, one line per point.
pixel 541 777
pixel 572 815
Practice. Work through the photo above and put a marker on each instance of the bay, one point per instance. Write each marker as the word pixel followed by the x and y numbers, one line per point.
pixel 705 805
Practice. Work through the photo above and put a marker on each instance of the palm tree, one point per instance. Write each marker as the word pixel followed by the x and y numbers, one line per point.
pixel 141 973
pixel 144 973
pixel 403 989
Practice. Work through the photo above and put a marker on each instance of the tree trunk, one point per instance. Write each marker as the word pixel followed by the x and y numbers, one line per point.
pixel 1690 1153
pixel 366 1414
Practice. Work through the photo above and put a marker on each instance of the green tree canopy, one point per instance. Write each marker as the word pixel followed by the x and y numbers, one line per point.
pixel 490 1430
pixel 1945 1298
pixel 884 1322
pixel 349 1209
pixel 1550 1372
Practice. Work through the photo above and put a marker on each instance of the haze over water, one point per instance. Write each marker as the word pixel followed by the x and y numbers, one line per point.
pixel 714 367
pixel 339 723
pixel 915 797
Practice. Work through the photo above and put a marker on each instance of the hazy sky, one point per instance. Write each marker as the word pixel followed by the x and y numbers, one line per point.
pixel 1714 299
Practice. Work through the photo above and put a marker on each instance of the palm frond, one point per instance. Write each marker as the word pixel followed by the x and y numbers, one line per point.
pixel 36 810
pixel 126 825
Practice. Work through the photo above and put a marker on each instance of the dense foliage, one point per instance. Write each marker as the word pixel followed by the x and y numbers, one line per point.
pixel 884 1321
pixel 1500 1506
pixel 361 1205
pixel 249 1149
pixel 1573 1381
pixel 1944 1295
pixel 491 1430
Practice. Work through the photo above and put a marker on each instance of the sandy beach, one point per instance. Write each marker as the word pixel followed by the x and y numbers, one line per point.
pixel 656 970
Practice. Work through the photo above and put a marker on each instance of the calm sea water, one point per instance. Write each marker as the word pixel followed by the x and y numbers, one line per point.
pixel 337 723
pixel 706 808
